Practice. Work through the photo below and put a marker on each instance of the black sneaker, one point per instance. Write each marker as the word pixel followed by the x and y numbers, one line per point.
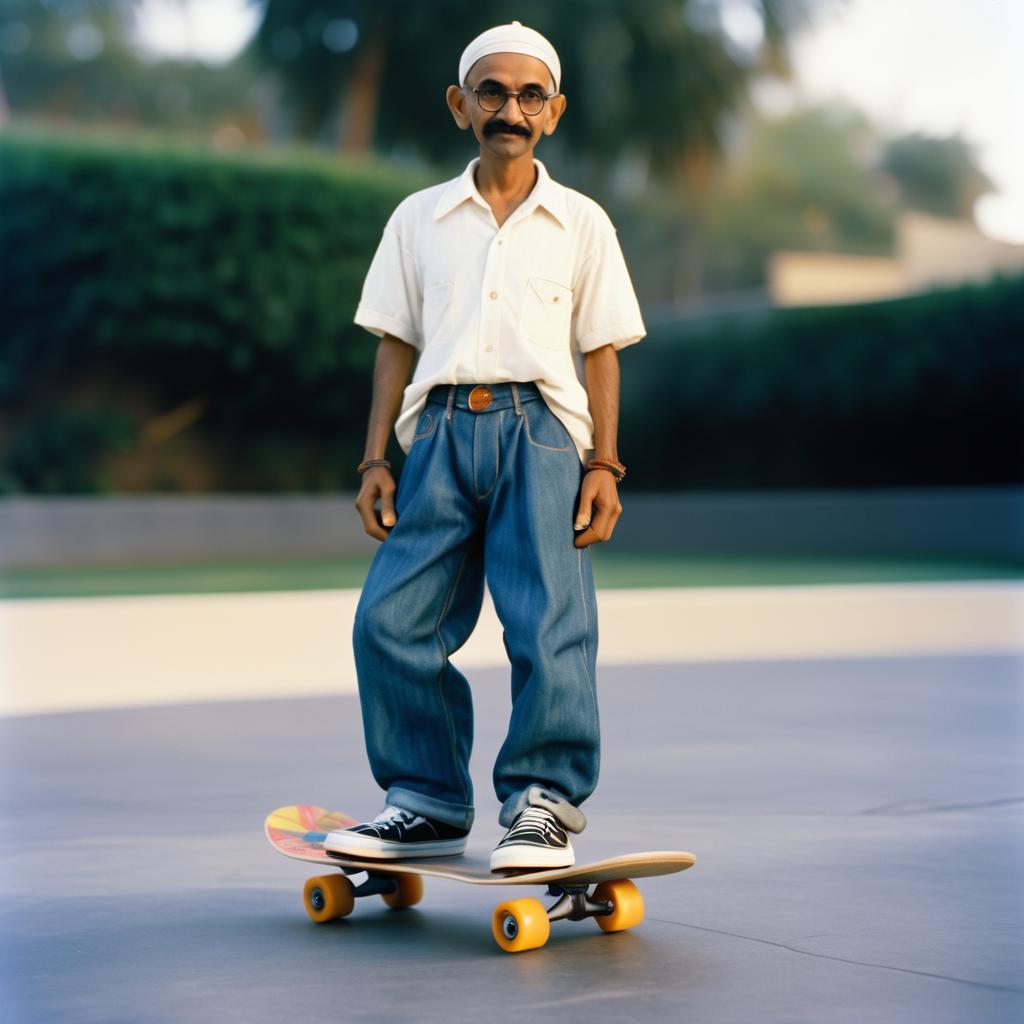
pixel 535 840
pixel 395 833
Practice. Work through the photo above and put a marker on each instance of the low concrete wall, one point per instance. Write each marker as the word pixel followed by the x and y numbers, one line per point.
pixel 948 522
pixel 969 522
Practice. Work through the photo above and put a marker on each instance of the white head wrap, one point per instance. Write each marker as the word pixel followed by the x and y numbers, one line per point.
pixel 513 38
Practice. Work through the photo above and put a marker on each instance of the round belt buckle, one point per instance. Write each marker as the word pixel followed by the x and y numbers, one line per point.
pixel 480 397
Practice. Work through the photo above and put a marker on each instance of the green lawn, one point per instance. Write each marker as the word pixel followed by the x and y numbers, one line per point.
pixel 611 569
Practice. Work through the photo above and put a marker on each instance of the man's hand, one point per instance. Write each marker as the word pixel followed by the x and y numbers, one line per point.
pixel 377 483
pixel 599 508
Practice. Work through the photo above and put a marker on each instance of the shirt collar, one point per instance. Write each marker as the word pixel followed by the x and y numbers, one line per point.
pixel 546 192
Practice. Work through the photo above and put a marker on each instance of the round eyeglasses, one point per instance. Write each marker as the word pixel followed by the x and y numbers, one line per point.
pixel 493 97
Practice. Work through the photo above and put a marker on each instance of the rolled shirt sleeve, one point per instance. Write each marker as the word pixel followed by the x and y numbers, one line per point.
pixel 391 301
pixel 604 302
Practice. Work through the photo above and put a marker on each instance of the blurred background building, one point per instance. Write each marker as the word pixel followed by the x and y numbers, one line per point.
pixel 929 252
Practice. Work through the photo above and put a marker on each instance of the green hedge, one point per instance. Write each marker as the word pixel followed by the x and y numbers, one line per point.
pixel 139 277
pixel 233 278
pixel 927 390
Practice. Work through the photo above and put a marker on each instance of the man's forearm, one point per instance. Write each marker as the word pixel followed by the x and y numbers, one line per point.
pixel 601 370
pixel 392 369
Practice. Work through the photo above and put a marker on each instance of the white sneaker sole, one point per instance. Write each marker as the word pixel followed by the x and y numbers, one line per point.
pixel 356 845
pixel 528 856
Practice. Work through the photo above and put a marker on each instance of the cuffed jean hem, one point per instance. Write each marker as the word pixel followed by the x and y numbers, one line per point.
pixel 569 817
pixel 456 815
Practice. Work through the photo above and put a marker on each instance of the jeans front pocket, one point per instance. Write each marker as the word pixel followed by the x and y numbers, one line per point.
pixel 426 424
pixel 546 314
pixel 544 429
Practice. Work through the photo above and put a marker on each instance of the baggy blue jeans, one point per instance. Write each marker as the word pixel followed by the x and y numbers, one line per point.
pixel 483 494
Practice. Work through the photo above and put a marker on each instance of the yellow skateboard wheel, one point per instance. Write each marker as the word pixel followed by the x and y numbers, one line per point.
pixel 521 924
pixel 629 905
pixel 327 897
pixel 408 893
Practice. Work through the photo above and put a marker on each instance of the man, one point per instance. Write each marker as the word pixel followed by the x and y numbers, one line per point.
pixel 505 284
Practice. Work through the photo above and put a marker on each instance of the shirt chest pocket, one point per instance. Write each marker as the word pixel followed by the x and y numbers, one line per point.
pixel 546 314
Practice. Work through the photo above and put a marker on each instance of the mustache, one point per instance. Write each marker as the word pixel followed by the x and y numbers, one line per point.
pixel 497 126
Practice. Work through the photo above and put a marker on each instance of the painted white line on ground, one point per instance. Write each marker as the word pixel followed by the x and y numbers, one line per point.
pixel 64 654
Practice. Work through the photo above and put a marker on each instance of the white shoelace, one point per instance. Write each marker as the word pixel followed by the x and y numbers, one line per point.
pixel 391 813
pixel 534 819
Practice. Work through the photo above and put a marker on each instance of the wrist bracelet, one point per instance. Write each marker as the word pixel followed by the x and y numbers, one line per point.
pixel 617 469
pixel 370 463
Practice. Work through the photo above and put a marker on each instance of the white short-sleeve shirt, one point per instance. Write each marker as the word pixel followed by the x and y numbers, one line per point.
pixel 485 304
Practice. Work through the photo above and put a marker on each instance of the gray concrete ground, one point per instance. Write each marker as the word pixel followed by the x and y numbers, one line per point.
pixel 857 825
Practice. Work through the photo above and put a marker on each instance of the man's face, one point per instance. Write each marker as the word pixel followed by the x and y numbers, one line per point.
pixel 507 132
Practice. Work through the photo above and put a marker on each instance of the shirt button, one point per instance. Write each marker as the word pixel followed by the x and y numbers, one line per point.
pixel 499 241
pixel 494 295
pixel 490 348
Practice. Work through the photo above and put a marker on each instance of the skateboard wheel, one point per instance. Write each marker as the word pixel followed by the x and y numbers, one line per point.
pixel 629 905
pixel 521 924
pixel 408 893
pixel 328 897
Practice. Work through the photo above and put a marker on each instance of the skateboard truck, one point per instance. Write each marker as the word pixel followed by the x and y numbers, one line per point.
pixel 574 904
pixel 375 884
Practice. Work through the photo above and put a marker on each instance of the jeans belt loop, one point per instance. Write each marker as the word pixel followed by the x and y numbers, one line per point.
pixel 451 400
pixel 515 398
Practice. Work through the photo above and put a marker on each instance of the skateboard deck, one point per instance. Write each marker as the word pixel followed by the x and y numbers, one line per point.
pixel 602 889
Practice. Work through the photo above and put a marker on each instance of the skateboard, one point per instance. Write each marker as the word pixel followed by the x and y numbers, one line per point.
pixel 603 890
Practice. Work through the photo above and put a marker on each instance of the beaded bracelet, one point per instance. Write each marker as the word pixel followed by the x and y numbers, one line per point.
pixel 370 463
pixel 617 469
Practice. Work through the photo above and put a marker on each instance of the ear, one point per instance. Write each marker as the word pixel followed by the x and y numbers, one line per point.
pixel 555 110
pixel 456 100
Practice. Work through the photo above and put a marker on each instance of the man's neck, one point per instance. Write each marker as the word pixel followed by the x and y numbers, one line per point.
pixel 505 181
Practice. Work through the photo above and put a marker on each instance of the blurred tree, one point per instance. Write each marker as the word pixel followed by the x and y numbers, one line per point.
pixel 324 52
pixel 76 60
pixel 652 79
pixel 51 51
pixel 659 72
pixel 806 181
pixel 937 175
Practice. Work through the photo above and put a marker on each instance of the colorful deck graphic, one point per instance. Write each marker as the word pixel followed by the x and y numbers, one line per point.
pixel 299 831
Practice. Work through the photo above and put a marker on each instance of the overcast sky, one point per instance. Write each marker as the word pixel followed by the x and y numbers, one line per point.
pixel 937 66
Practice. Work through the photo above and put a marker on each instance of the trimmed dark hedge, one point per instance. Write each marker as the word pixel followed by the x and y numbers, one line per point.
pixel 927 390
pixel 229 282
pixel 230 277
